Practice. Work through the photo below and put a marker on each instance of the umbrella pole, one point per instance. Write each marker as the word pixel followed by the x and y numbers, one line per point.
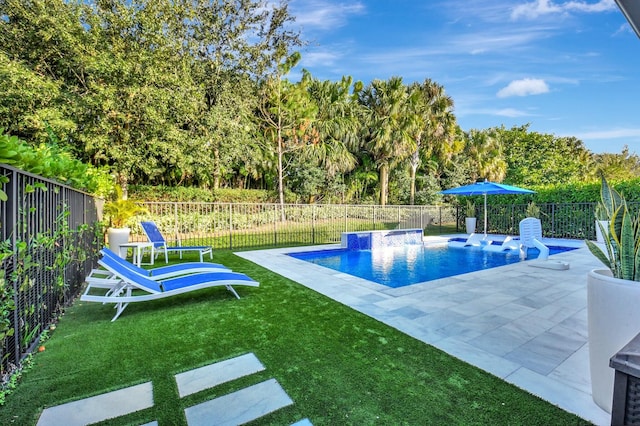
pixel 485 215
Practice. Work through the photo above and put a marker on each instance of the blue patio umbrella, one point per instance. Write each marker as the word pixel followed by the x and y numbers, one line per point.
pixel 486 188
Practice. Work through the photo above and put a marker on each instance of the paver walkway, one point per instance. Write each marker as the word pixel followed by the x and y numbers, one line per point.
pixel 98 408
pixel 235 408
pixel 523 324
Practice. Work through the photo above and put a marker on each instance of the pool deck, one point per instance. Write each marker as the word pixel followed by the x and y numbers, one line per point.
pixel 524 324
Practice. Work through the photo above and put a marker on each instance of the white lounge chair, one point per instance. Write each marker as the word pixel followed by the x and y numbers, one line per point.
pixel 160 273
pixel 477 240
pixel 160 243
pixel 531 236
pixel 509 243
pixel 122 293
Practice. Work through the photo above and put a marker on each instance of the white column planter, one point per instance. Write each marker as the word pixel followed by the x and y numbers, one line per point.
pixel 117 236
pixel 613 320
pixel 599 236
pixel 470 224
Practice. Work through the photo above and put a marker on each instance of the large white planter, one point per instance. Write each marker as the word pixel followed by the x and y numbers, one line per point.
pixel 613 320
pixel 117 236
pixel 470 224
pixel 599 236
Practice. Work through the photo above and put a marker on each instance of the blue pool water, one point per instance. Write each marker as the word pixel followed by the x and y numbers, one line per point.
pixel 411 264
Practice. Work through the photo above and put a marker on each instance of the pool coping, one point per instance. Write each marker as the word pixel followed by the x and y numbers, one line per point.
pixel 544 308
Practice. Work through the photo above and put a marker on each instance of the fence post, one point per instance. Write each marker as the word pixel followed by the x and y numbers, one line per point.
pixel 275 224
pixel 373 225
pixel 313 224
pixel 346 215
pixel 230 226
pixel 12 216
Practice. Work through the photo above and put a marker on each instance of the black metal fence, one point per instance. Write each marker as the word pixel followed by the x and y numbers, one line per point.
pixel 49 236
pixel 241 226
pixel 559 220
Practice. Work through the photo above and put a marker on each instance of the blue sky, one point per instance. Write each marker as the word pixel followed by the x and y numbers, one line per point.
pixel 568 68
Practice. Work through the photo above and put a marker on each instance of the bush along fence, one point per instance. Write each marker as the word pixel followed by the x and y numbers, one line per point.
pixel 49 237
pixel 238 226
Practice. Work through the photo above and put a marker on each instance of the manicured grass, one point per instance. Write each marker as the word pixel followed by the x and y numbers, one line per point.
pixel 339 366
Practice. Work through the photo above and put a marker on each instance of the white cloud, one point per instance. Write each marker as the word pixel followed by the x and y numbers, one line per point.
pixel 323 14
pixel 538 8
pixel 318 57
pixel 511 113
pixel 524 87
pixel 611 134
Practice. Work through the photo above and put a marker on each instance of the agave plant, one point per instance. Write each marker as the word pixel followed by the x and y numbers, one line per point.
pixel 622 255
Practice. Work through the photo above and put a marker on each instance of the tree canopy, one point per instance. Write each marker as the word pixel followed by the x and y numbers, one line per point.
pixel 196 93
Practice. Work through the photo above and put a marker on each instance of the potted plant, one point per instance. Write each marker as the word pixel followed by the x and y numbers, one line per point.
pixel 470 219
pixel 532 210
pixel 613 294
pixel 118 212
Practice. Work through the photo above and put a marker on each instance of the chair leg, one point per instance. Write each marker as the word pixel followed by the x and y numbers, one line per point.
pixel 232 290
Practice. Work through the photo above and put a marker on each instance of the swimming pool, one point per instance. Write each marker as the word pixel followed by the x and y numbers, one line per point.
pixel 401 266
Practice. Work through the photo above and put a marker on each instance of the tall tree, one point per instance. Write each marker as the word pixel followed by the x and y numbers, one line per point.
pixel 431 125
pixel 386 124
pixel 617 167
pixel 485 155
pixel 336 121
pixel 535 158
pixel 149 78
pixel 287 115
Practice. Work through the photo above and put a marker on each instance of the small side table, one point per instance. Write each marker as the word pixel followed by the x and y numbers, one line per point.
pixel 138 249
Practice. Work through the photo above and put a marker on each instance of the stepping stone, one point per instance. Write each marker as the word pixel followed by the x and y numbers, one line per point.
pixel 303 422
pixel 206 377
pixel 100 407
pixel 239 407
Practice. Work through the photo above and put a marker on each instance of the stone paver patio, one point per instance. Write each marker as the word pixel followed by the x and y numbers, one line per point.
pixel 524 324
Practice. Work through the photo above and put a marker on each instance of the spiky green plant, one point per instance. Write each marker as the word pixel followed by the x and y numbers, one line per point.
pixel 470 209
pixel 622 239
pixel 120 210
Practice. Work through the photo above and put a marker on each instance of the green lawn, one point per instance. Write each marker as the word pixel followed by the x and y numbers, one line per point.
pixel 339 366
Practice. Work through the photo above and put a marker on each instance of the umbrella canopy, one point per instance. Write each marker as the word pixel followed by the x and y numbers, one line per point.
pixel 486 188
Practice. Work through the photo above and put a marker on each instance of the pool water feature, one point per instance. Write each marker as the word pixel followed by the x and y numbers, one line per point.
pixel 410 264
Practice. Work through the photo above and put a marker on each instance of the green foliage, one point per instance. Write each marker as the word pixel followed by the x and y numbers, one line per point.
pixel 535 159
pixel 622 238
pixel 51 162
pixel 533 210
pixel 159 91
pixel 120 210
pixel 7 293
pixel 186 194
pixel 470 209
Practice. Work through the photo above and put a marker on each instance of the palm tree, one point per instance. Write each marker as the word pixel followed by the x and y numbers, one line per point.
pixel 431 125
pixel 336 122
pixel 484 150
pixel 386 124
